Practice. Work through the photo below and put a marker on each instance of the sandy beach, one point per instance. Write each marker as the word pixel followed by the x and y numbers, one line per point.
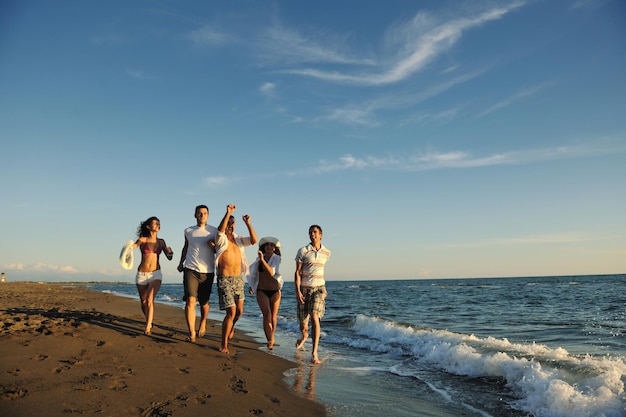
pixel 68 350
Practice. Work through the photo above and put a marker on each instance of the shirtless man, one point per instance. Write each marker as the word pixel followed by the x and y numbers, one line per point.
pixel 231 263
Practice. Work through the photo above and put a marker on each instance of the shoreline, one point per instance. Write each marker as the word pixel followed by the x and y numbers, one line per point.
pixel 67 349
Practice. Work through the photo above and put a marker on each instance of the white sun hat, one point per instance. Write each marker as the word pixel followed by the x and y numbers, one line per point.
pixel 269 239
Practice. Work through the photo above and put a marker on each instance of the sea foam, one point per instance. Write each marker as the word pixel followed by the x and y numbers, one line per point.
pixel 546 381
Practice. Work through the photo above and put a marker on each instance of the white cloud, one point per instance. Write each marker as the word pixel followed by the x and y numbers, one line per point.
pixel 14 266
pixel 461 159
pixel 139 75
pixel 433 160
pixel 433 117
pixel 268 89
pixel 281 46
pixel 365 113
pixel 417 47
pixel 352 116
pixel 520 95
pixel 218 181
pixel 42 266
pixel 207 35
pixel 580 4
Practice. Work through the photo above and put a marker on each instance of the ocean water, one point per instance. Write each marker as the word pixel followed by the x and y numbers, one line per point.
pixel 540 346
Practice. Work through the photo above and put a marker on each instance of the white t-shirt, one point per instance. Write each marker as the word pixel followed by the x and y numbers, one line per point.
pixel 200 255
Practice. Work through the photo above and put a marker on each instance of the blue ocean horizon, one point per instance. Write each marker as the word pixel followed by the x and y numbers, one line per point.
pixel 527 346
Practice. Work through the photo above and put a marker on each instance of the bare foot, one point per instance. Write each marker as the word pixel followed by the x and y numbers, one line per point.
pixel 232 333
pixel 224 350
pixel 315 360
pixel 300 343
pixel 201 332
pixel 270 345
pixel 148 331
pixel 191 339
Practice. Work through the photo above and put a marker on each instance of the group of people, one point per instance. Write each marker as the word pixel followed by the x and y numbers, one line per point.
pixel 209 251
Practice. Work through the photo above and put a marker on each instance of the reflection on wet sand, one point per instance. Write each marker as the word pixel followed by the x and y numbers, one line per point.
pixel 304 378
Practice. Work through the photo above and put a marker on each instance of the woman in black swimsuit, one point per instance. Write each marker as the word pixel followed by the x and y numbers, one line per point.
pixel 266 280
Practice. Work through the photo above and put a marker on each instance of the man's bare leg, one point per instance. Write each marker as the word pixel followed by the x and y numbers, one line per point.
pixel 227 327
pixel 190 315
pixel 315 323
pixel 204 314
pixel 304 329
pixel 238 313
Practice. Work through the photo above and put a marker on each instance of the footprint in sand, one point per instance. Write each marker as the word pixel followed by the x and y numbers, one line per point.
pixel 101 375
pixel 40 357
pixel 74 360
pixel 157 409
pixel 61 369
pixel 238 385
pixel 118 385
pixel 183 370
pixel 12 393
pixel 202 399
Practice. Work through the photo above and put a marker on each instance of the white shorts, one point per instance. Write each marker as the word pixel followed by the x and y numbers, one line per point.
pixel 145 278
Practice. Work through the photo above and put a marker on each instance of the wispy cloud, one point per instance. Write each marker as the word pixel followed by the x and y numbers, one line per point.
pixel 208 35
pixel 351 115
pixel 282 46
pixel 442 116
pixel 366 112
pixel 139 75
pixel 580 4
pixel 417 47
pixel 434 160
pixel 268 89
pixel 518 96
pixel 213 182
pixel 463 159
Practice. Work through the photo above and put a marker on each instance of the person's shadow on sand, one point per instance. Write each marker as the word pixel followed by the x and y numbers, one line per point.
pixel 38 319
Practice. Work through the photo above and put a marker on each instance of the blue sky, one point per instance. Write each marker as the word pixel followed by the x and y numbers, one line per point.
pixel 430 139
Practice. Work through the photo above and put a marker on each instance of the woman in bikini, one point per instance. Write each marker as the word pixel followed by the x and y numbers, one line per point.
pixel 149 275
pixel 266 281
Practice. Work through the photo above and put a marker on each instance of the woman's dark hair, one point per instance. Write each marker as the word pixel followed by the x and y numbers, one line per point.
pixel 144 227
pixel 276 248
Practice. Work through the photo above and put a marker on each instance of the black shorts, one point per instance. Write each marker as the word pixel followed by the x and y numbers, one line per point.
pixel 198 285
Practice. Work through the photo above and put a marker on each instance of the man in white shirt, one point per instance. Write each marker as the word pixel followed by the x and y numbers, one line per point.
pixel 311 288
pixel 197 263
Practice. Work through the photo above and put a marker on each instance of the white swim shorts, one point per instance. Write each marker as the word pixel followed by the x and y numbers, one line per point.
pixel 145 278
